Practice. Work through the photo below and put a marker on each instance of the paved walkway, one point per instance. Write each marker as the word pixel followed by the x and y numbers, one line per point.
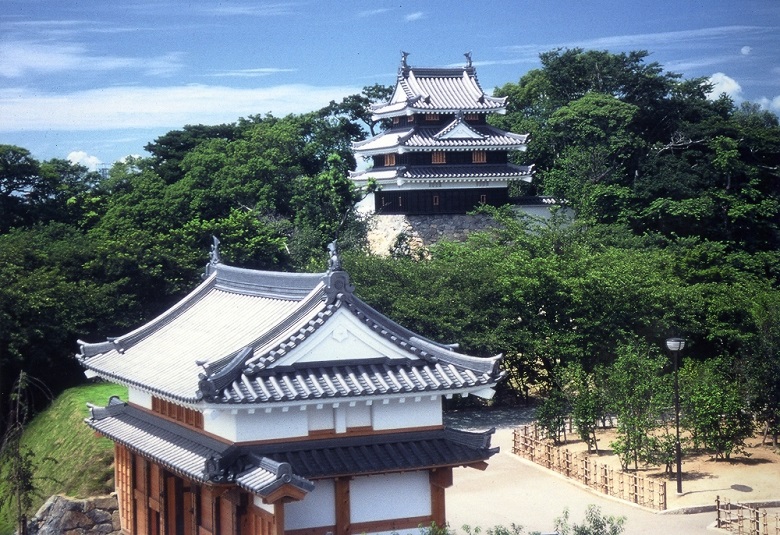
pixel 513 490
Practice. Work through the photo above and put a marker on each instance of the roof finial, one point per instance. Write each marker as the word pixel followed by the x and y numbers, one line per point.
pixel 468 59
pixel 214 254
pixel 404 55
pixel 334 262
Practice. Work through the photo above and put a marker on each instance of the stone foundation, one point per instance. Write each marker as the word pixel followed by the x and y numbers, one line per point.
pixel 61 515
pixel 420 231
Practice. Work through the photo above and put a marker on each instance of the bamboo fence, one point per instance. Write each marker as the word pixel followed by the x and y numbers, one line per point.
pixel 746 520
pixel 580 467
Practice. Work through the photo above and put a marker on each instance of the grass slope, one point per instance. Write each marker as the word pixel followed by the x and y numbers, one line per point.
pixel 70 459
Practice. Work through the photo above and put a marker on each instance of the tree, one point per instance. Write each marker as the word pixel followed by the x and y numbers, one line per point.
pixel 587 402
pixel 637 396
pixel 19 175
pixel 713 407
pixel 17 463
pixel 762 366
pixel 551 415
pixel 593 138
pixel 357 108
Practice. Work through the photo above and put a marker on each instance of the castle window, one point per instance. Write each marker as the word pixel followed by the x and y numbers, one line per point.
pixel 177 412
pixel 389 160
pixel 472 117
pixel 431 116
pixel 479 156
pixel 439 157
pixel 436 200
pixel 396 120
pixel 483 199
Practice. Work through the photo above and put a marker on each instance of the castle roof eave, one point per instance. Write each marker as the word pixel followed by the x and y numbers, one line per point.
pixel 133 360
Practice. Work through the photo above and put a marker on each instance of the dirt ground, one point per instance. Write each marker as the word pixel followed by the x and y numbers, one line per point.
pixel 750 477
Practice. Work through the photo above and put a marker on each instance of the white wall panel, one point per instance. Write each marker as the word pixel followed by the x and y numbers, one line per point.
pixel 318 508
pixel 244 426
pixel 390 496
pixel 396 415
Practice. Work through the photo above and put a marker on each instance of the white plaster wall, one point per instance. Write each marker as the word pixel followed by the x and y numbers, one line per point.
pixel 390 496
pixel 140 398
pixel 244 426
pixel 358 415
pixel 414 411
pixel 318 508
pixel 344 337
pixel 320 418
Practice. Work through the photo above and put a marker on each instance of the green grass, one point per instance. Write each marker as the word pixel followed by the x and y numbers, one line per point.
pixel 70 459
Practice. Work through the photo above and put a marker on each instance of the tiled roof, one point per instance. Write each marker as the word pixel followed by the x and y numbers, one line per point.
pixel 429 138
pixel 383 453
pixel 231 339
pixel 189 453
pixel 263 468
pixel 447 173
pixel 428 90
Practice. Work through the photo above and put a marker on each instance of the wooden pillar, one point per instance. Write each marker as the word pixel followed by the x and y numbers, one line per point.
pixel 123 481
pixel 343 514
pixel 440 478
pixel 279 518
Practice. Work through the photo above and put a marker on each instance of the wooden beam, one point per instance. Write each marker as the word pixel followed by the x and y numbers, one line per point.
pixel 343 515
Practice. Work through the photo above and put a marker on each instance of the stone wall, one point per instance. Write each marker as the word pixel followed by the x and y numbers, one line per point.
pixel 420 231
pixel 61 515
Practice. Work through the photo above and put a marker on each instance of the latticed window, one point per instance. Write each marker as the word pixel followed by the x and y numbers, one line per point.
pixel 177 412
pixel 431 116
pixel 483 199
pixel 389 160
pixel 436 200
pixel 479 156
pixel 396 120
pixel 472 117
pixel 439 157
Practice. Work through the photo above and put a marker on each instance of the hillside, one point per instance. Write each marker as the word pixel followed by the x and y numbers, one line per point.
pixel 70 459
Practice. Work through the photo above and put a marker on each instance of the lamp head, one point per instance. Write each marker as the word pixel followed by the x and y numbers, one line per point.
pixel 675 344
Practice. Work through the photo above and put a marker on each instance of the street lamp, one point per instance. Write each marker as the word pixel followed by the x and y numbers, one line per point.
pixel 675 345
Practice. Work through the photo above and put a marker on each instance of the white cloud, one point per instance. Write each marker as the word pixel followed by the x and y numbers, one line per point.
pixel 18 58
pixel 254 10
pixel 81 157
pixel 723 83
pixel 770 104
pixel 113 108
pixel 373 12
pixel 649 41
pixel 417 15
pixel 745 50
pixel 252 73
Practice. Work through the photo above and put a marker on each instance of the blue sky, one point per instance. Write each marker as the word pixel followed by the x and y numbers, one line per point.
pixel 95 80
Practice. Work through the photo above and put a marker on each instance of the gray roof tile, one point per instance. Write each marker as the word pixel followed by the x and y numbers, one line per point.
pixel 431 90
pixel 189 453
pixel 228 341
pixel 422 138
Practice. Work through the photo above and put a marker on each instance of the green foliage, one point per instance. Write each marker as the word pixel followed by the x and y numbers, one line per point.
pixel 587 396
pixel 595 523
pixel 713 407
pixel 551 415
pixel 638 394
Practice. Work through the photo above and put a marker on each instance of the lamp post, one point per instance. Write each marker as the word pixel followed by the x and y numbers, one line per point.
pixel 675 345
